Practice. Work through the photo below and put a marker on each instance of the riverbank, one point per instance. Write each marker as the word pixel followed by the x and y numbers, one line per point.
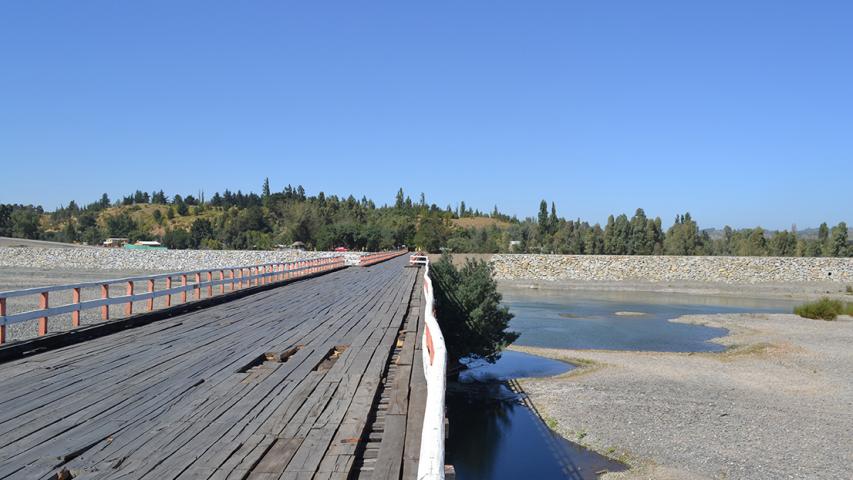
pixel 776 404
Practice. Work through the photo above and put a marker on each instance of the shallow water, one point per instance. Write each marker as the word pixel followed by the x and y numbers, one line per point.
pixel 495 434
pixel 513 365
pixel 589 320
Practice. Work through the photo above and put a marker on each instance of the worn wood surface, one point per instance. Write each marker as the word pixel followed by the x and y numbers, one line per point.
pixel 279 384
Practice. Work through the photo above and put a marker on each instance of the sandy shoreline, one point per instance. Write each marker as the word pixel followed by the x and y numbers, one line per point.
pixel 777 404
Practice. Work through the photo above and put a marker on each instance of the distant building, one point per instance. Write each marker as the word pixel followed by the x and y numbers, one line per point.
pixel 116 242
pixel 513 244
pixel 145 245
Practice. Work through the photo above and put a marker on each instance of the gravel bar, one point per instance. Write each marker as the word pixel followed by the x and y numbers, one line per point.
pixel 777 404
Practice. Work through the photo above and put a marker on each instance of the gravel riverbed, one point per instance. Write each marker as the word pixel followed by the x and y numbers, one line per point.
pixel 777 404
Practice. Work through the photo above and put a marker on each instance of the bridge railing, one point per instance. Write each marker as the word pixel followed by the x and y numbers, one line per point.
pixel 178 283
pixel 431 461
pixel 373 258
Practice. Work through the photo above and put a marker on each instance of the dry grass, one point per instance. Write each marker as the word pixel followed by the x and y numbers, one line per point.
pixel 479 222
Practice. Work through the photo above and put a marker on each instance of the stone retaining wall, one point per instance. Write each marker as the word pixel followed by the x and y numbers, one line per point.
pixel 732 270
pixel 155 260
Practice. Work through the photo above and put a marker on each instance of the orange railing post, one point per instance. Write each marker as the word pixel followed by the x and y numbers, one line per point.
pixel 168 295
pixel 75 315
pixel 105 294
pixel 128 308
pixel 239 278
pixel 43 304
pixel 151 291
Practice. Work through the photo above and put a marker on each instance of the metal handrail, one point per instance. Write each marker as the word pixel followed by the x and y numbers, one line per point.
pixel 238 278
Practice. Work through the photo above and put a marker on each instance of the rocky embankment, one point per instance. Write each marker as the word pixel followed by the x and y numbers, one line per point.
pixel 158 260
pixel 730 270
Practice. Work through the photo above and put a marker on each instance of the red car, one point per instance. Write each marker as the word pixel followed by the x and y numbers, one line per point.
pixel 342 249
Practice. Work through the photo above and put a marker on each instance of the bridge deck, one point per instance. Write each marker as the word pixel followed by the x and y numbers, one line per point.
pixel 287 383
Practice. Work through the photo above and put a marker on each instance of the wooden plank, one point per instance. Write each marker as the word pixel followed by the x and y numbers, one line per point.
pixel 390 459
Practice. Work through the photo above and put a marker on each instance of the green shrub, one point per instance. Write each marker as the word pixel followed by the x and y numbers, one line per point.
pixel 824 309
pixel 472 319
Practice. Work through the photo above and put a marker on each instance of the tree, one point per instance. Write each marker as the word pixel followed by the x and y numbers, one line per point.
pixel 265 191
pixel 159 198
pixel 105 201
pixel 121 225
pixel 610 236
pixel 839 247
pixel 682 238
pixel 472 319
pixel 432 233
pixel 25 223
pixel 642 238
pixel 553 221
pixel 783 244
pixel 70 232
pixel 543 218
pixel 398 202
pixel 5 220
pixel 200 230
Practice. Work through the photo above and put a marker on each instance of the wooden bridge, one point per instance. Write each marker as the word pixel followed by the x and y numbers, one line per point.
pixel 313 379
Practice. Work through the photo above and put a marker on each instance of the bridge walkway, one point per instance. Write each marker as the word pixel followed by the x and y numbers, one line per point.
pixel 317 379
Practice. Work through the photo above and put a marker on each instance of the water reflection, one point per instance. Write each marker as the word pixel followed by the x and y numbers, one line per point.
pixel 496 433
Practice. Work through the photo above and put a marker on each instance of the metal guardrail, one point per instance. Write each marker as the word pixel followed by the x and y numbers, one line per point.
pixel 237 277
pixel 431 460
pixel 374 258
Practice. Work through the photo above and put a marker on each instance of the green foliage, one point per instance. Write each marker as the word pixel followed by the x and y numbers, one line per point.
pixel 824 309
pixel 328 221
pixel 683 237
pixel 469 310
pixel 432 233
pixel 25 223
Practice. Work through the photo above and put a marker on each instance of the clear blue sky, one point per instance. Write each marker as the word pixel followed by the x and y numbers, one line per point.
pixel 739 111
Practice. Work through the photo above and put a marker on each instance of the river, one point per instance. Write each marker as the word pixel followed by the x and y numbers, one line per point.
pixel 495 433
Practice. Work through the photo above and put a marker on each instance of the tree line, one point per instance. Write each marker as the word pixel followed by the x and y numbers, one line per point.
pixel 237 220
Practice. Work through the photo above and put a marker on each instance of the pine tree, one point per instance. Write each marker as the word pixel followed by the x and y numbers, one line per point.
pixel 398 203
pixel 543 218
pixel 552 220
